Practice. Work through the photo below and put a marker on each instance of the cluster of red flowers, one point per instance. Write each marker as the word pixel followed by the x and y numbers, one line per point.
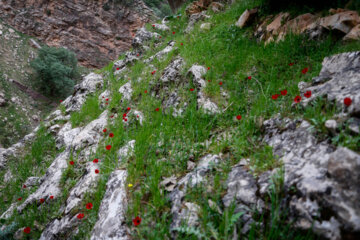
pixel 153 72
pixel 283 93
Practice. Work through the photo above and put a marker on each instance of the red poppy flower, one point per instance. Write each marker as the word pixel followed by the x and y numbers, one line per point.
pixel 305 70
pixel 97 171
pixel 157 109
pixel 108 147
pixel 145 91
pixel 95 160
pixel 178 16
pixel 104 130
pixel 27 230
pixel 297 99
pixel 136 221
pixel 274 97
pixel 61 101
pixel 347 101
pixel 71 162
pixel 220 83
pixel 307 94
pixel 107 99
pixel 238 117
pixel 117 68
pixel 19 199
pixel 160 37
pixel 138 54
pixel 209 80
pixel 111 135
pixel 181 44
pixel 153 25
pixel 191 89
pixel 42 200
pixel 284 92
pixel 291 64
pixel 89 206
pixel 249 77
pixel 51 197
pixel 103 97
pixel 137 116
pixel 80 216
pixel 24 186
pixel 208 68
pixel 107 103
pixel 111 116
pixel 128 109
pixel 173 32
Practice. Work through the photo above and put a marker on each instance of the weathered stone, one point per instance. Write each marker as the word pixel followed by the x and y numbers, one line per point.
pixel 197 7
pixel 126 90
pixel 216 7
pixel 112 212
pixel 90 84
pixel 32 181
pixel 172 73
pixel 194 18
pixel 163 53
pixel 97 31
pixel 354 34
pixel 161 27
pixel 246 17
pixel 354 125
pixel 343 21
pixel 339 78
pixel 196 72
pixel 142 36
pixel 275 25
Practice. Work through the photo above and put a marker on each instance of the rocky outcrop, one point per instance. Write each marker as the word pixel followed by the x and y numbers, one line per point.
pixel 97 31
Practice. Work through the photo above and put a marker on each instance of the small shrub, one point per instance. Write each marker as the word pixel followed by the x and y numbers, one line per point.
pixel 56 71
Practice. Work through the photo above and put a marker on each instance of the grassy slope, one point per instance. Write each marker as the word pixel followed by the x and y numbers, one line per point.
pixel 232 56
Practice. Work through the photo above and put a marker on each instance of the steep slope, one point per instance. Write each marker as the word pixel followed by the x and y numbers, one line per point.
pixel 198 132
pixel 97 31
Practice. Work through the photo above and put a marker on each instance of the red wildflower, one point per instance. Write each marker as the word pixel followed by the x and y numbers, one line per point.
pixel 181 44
pixel 297 99
pixel 107 99
pixel 291 64
pixel 157 109
pixel 117 68
pixel 274 97
pixel 209 80
pixel 104 130
pixel 173 32
pixel 284 92
pixel 220 83
pixel 111 116
pixel 95 160
pixel 307 94
pixel 249 77
pixel 80 216
pixel 136 221
pixel 103 97
pixel 160 37
pixel 128 109
pixel 97 171
pixel 27 230
pixel 208 68
pixel 51 197
pixel 125 119
pixel 153 25
pixel 60 101
pixel 238 117
pixel 191 89
pixel 145 91
pixel 107 103
pixel 347 101
pixel 178 16
pixel 89 206
pixel 71 162
pixel 24 186
pixel 138 54
pixel 42 200
pixel 305 70
pixel 111 135
pixel 137 116
pixel 108 147
pixel 19 199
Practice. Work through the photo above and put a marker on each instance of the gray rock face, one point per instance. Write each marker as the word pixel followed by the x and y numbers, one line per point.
pixel 60 227
pixel 339 78
pixel 172 73
pixel 111 220
pixel 142 35
pixel 161 54
pixel 190 180
pixel 90 84
pixel 326 180
pixel 130 58
pixel 126 90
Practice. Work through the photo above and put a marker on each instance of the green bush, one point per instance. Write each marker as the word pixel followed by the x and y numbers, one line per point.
pixel 56 71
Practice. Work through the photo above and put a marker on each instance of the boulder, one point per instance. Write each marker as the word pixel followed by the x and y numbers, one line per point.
pixel 246 18
pixel 126 91
pixel 142 36
pixel 353 35
pixel 274 27
pixel 342 22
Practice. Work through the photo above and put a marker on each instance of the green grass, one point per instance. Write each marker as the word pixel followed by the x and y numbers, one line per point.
pixel 88 112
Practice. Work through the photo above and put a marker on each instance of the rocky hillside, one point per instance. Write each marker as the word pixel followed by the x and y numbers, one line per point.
pixel 200 131
pixel 97 30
